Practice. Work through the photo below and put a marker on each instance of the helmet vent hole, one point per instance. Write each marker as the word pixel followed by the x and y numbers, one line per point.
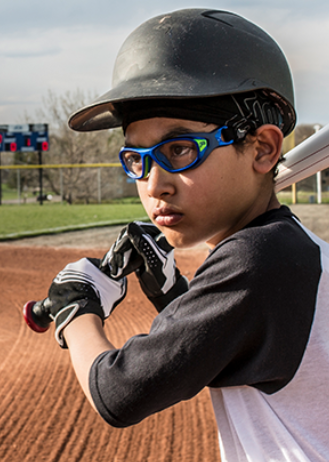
pixel 214 14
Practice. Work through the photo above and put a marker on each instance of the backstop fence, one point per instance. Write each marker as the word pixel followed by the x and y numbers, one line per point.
pixel 98 182
pixel 89 182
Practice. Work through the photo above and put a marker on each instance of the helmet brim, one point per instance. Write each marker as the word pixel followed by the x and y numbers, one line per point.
pixel 104 113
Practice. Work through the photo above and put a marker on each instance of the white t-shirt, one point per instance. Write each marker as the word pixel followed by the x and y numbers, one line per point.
pixel 291 425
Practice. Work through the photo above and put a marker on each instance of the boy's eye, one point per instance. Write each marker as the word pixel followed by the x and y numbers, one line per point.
pixel 177 154
pixel 133 162
pixel 180 150
pixel 132 158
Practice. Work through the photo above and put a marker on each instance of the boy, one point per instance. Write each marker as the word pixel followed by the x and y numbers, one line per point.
pixel 205 98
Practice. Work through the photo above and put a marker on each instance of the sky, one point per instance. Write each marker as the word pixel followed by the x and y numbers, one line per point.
pixel 72 44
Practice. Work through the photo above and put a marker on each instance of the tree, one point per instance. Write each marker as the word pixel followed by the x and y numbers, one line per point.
pixel 70 147
pixel 304 131
pixel 28 178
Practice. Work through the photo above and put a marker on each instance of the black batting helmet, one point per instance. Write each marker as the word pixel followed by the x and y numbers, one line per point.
pixel 193 54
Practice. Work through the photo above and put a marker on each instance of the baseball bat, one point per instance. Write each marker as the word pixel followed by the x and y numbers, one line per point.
pixel 36 317
pixel 37 314
pixel 306 159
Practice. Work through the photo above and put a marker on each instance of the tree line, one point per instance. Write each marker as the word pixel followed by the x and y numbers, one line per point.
pixel 69 147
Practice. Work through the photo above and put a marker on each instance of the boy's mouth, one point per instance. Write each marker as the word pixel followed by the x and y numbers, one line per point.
pixel 167 216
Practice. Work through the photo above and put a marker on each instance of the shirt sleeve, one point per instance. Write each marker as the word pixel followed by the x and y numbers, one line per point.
pixel 245 320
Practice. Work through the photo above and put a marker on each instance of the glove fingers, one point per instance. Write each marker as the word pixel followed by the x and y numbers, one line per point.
pixel 147 228
pixel 130 262
pixel 157 235
pixel 125 256
pixel 154 262
pixel 138 229
pixel 121 245
pixel 117 257
pixel 163 243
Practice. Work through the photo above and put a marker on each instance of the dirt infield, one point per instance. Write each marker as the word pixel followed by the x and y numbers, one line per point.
pixel 43 413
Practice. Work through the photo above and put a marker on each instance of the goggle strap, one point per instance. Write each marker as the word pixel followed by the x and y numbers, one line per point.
pixel 229 134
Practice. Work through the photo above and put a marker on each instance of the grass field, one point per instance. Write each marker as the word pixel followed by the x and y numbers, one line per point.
pixel 33 219
pixel 303 197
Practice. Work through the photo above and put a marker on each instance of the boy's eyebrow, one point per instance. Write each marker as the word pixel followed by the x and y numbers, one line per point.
pixel 176 132
pixel 168 135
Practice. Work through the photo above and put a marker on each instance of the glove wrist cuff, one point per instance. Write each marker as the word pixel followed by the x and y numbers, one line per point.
pixel 179 288
pixel 72 311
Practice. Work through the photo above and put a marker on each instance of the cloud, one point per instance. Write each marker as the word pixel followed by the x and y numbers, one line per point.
pixel 58 59
pixel 30 53
pixel 20 15
pixel 33 44
pixel 71 44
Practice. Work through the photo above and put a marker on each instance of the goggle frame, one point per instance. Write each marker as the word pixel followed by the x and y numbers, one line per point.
pixel 213 140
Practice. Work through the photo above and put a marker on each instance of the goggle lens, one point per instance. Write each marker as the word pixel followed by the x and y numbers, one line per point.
pixel 133 162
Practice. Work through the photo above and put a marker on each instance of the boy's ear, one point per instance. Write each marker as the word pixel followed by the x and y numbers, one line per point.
pixel 268 148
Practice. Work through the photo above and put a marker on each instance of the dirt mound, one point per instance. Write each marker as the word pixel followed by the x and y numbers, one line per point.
pixel 43 413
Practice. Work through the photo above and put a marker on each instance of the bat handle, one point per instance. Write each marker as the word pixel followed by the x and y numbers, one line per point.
pixel 36 317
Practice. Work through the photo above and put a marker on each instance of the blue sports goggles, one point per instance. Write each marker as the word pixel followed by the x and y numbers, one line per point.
pixel 173 155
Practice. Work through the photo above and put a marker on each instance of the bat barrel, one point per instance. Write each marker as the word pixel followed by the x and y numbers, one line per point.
pixel 35 316
pixel 306 159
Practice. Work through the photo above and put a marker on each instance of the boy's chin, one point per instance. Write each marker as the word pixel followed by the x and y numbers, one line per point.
pixel 180 241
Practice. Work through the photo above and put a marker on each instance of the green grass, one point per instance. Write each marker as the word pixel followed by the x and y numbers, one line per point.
pixel 33 219
pixel 303 197
pixel 8 194
pixel 12 194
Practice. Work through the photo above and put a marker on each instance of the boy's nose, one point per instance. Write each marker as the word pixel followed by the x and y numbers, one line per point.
pixel 160 182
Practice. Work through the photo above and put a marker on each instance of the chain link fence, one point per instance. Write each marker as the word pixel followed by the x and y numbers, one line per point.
pixel 72 183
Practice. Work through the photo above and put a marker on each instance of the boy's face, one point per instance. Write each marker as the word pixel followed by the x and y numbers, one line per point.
pixel 205 204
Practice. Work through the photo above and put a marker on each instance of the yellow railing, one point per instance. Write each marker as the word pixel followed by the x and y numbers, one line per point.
pixel 38 166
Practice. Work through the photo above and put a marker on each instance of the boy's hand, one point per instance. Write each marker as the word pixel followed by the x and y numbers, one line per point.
pixel 142 248
pixel 122 258
pixel 78 289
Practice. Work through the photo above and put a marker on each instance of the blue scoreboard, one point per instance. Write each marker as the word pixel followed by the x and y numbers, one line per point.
pixel 24 138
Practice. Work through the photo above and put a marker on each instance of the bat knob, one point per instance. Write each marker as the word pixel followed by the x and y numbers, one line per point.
pixel 35 317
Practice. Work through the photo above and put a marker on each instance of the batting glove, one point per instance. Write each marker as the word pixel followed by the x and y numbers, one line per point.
pixel 141 247
pixel 81 288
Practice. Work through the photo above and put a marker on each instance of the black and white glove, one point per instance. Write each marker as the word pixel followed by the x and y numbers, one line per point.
pixel 141 247
pixel 78 289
